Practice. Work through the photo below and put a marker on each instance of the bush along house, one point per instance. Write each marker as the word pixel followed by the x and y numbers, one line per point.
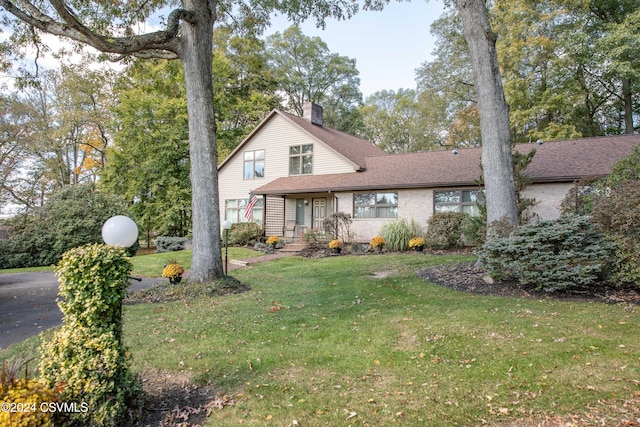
pixel 295 172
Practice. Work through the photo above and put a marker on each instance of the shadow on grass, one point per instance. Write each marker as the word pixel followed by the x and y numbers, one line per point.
pixel 164 291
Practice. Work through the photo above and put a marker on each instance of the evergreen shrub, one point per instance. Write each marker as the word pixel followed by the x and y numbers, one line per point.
pixel 170 244
pixel 86 361
pixel 552 255
pixel 71 217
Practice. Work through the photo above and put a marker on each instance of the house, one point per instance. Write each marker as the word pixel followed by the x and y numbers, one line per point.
pixel 301 172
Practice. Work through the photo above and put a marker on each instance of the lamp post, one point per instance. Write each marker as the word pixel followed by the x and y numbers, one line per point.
pixel 226 225
pixel 120 231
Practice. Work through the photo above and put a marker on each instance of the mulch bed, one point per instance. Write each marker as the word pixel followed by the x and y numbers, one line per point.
pixel 466 277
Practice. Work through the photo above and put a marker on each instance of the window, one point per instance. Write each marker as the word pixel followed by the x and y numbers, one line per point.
pixel 234 210
pixel 458 201
pixel 301 159
pixel 253 164
pixel 375 205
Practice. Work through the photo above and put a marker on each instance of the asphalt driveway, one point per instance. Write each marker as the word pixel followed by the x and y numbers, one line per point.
pixel 28 304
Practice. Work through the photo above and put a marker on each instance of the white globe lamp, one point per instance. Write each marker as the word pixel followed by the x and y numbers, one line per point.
pixel 120 231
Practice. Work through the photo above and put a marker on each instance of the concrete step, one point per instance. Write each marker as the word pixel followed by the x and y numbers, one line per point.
pixel 293 247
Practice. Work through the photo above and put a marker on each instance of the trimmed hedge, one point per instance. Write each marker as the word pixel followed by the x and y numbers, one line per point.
pixel 85 360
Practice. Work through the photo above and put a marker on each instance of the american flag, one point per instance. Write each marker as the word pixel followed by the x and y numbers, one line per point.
pixel 252 202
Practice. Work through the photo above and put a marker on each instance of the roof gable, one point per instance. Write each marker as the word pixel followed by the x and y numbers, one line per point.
pixel 353 149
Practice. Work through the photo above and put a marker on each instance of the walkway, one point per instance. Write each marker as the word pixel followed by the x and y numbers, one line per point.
pixel 234 264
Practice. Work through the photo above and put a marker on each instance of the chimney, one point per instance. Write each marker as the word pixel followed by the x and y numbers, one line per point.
pixel 312 112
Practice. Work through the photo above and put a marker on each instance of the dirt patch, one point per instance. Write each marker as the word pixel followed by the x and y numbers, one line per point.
pixel 466 277
pixel 172 399
pixel 383 274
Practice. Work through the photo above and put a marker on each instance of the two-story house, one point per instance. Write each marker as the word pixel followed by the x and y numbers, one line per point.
pixel 302 171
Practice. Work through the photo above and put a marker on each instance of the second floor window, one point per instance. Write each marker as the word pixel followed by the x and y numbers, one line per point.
pixel 253 164
pixel 301 159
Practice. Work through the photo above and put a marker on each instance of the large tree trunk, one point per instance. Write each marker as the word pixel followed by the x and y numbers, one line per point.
pixel 628 105
pixel 196 53
pixel 494 115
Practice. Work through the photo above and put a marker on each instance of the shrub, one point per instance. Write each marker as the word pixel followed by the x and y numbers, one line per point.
pixel 170 244
pixel 445 229
pixel 245 233
pixel 474 230
pixel 617 212
pixel 338 226
pixel 580 199
pixel 310 236
pixel 73 216
pixel 502 227
pixel 550 255
pixel 85 359
pixel 25 393
pixel 397 234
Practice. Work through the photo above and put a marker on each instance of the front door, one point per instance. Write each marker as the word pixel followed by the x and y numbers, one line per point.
pixel 299 211
pixel 319 213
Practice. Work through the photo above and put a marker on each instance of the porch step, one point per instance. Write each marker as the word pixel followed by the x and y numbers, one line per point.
pixel 292 248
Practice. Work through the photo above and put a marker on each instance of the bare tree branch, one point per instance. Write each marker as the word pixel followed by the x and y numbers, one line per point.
pixel 159 44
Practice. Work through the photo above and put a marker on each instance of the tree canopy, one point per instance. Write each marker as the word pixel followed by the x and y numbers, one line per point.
pixel 306 70
pixel 187 35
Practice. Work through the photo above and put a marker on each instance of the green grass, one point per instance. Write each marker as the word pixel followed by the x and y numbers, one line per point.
pixel 364 341
pixel 26 270
pixel 151 265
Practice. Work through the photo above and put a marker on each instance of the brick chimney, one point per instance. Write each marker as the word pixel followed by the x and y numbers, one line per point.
pixel 312 112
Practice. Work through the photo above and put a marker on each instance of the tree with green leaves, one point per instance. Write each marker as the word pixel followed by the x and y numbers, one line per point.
pixel 62 138
pixel 493 111
pixel 149 161
pixel 149 165
pixel 13 136
pixel 394 121
pixel 245 87
pixel 188 36
pixel 305 70
pixel 445 85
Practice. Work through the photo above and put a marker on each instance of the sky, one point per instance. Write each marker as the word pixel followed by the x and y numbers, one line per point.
pixel 388 46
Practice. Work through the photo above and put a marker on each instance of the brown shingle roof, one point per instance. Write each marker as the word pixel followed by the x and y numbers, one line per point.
pixel 558 161
pixel 353 148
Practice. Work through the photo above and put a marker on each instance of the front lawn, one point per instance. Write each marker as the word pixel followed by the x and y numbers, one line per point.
pixel 361 340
